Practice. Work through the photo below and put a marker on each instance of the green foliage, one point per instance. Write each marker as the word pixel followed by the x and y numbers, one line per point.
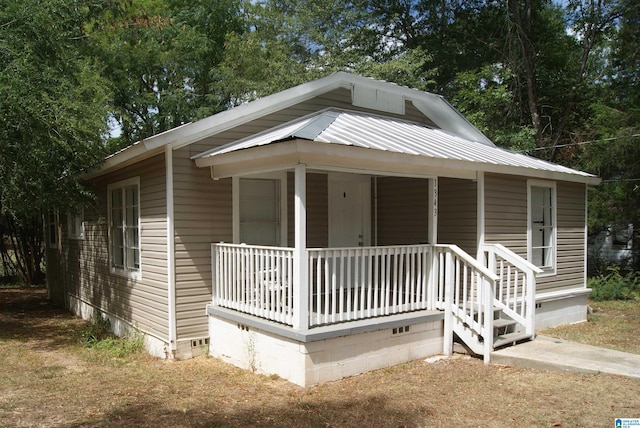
pixel 98 336
pixel 52 108
pixel 615 286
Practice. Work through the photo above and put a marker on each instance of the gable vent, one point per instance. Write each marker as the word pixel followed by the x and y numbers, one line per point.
pixel 377 99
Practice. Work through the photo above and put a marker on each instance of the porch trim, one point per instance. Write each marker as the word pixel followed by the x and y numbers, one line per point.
pixel 561 294
pixel 328 331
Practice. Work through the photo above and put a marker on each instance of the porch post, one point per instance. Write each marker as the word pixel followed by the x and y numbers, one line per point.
pixel 432 237
pixel 432 234
pixel 300 261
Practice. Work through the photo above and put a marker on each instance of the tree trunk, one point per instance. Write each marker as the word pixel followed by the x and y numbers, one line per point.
pixel 527 50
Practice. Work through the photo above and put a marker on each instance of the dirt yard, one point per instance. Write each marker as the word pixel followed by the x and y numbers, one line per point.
pixel 48 379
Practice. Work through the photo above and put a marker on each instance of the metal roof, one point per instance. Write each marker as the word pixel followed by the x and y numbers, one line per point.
pixel 387 134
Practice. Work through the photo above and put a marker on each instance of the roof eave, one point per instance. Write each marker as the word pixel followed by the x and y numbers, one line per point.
pixel 195 131
pixel 321 155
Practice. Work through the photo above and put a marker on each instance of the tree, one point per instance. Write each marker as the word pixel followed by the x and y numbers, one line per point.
pixel 612 134
pixel 52 118
pixel 160 58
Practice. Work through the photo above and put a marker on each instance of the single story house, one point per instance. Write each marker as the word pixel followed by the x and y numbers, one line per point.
pixel 340 226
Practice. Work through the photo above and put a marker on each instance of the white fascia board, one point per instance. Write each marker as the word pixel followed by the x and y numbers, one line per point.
pixel 245 113
pixel 196 131
pixel 329 156
pixel 121 159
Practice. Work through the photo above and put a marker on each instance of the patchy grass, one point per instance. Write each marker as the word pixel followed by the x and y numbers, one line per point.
pixel 613 324
pixel 49 379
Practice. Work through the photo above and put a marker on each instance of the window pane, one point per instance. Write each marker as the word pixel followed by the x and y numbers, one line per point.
pixel 116 198
pixel 133 259
pixel 131 196
pixel 132 216
pixel 117 247
pixel 542 228
pixel 125 246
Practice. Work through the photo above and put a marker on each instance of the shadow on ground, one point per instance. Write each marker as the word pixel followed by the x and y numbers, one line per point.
pixel 27 315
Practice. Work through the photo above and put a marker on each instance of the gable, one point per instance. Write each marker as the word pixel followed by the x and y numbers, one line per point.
pixel 358 94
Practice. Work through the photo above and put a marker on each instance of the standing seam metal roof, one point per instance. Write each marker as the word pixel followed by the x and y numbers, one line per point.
pixel 365 130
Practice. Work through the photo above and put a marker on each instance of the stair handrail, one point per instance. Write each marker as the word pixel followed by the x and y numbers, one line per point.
pixel 513 258
pixel 530 270
pixel 489 279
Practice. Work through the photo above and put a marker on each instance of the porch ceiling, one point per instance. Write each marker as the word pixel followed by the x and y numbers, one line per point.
pixel 357 141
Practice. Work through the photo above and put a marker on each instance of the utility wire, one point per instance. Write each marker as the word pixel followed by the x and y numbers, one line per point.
pixel 580 143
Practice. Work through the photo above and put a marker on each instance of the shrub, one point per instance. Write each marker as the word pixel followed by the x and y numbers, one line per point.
pixel 615 286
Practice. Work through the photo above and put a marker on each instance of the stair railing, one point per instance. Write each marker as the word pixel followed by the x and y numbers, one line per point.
pixel 515 287
pixel 465 293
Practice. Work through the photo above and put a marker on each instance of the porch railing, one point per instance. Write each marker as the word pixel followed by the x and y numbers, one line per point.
pixel 347 284
pixel 515 289
pixel 364 282
pixel 464 294
pixel 254 280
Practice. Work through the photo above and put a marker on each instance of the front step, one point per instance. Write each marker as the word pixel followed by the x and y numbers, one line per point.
pixel 509 339
pixel 503 323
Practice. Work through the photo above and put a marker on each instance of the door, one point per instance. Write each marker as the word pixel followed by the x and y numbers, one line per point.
pixel 349 210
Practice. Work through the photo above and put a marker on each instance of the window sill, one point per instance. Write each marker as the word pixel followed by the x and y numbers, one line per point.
pixel 135 275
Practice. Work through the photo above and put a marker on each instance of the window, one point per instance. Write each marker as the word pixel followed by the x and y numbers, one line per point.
pixel 542 226
pixel 260 211
pixel 75 224
pixel 52 229
pixel 124 227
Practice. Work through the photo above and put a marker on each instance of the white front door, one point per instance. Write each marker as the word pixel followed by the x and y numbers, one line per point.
pixel 349 210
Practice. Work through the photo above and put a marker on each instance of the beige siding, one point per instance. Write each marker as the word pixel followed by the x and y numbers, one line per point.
pixel 203 214
pixel 571 239
pixel 402 210
pixel 457 213
pixel 506 212
pixel 141 302
pixel 317 210
pixel 506 223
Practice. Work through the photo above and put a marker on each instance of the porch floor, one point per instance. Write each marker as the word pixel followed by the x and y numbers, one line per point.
pixel 327 331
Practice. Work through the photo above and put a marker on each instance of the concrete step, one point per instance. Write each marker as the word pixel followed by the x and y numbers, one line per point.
pixel 509 338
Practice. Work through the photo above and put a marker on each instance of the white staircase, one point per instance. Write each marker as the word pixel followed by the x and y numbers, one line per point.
pixel 488 304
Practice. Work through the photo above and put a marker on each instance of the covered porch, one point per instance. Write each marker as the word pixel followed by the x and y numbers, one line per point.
pixel 359 254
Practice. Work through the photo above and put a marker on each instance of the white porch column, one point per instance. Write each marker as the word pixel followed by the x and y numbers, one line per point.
pixel 433 211
pixel 300 261
pixel 432 236
pixel 480 216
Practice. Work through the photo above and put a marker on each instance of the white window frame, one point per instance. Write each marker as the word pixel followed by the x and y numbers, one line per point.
pixel 550 185
pixel 124 270
pixel 282 177
pixel 75 224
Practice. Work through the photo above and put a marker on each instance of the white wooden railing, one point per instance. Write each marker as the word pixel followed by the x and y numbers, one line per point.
pixel 364 282
pixel 464 294
pixel 347 284
pixel 254 280
pixel 515 290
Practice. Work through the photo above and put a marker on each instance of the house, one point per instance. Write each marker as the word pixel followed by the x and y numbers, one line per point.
pixel 336 227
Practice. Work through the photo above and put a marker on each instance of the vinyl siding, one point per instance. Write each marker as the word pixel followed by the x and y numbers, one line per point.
pixel 317 210
pixel 571 239
pixel 202 215
pixel 141 302
pixel 457 213
pixel 506 223
pixel 506 212
pixel 402 210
